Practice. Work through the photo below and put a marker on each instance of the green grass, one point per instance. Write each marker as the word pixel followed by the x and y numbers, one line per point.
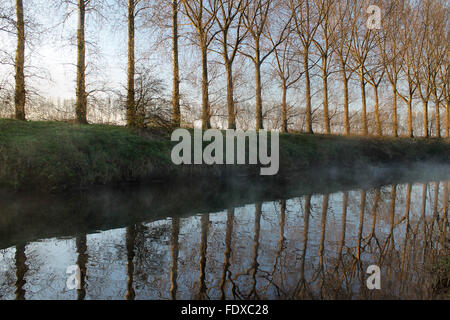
pixel 332 150
pixel 60 155
pixel 56 155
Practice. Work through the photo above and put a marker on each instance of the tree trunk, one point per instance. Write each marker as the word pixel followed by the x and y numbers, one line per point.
pixel 81 103
pixel 326 117
pixel 394 111
pixel 176 113
pixel 437 118
pixel 230 95
pixel 307 93
pixel 346 103
pixel 410 116
pixel 447 120
pixel 377 111
pixel 284 124
pixel 259 116
pixel 365 130
pixel 131 106
pixel 425 118
pixel 19 95
pixel 206 124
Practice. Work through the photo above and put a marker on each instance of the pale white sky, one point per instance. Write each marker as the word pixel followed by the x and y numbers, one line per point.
pixel 53 55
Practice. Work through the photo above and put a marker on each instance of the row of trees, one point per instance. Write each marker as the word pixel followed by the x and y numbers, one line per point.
pixel 407 49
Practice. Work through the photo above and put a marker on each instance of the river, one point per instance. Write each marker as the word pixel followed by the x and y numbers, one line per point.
pixel 205 241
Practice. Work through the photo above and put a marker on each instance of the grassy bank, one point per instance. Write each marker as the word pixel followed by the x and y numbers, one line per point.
pixel 57 156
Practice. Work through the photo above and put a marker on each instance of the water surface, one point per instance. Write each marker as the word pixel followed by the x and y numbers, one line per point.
pixel 217 242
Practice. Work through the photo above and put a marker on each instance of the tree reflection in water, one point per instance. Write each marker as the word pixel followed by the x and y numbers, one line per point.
pixel 309 247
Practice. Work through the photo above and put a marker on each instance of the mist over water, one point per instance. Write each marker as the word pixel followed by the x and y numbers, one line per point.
pixel 306 239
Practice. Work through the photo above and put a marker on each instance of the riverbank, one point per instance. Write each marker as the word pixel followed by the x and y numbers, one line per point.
pixel 55 156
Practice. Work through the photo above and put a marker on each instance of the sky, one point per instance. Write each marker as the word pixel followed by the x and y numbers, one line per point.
pixel 54 53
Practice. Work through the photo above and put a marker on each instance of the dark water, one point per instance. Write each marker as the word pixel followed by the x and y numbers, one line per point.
pixel 243 241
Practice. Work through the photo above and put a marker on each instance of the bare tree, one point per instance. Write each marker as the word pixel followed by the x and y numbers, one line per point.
pixel 374 75
pixel 288 78
pixel 444 76
pixel 407 61
pixel 423 64
pixel 341 45
pixel 327 28
pixel 176 113
pixel 81 95
pixel 391 52
pixel 287 70
pixel 131 108
pixel 439 55
pixel 166 16
pixel 229 20
pixel 82 7
pixel 306 23
pixel 363 41
pixel 256 20
pixel 134 8
pixel 201 14
pixel 152 107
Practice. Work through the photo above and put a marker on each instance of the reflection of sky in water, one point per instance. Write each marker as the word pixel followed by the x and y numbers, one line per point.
pixel 278 264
